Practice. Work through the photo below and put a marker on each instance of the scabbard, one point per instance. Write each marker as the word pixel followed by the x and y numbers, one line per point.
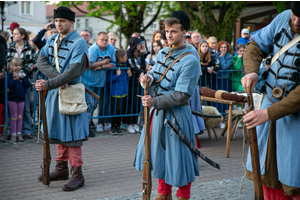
pixel 191 146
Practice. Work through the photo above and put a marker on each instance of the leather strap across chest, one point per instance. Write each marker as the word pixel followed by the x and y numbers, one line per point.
pixel 164 74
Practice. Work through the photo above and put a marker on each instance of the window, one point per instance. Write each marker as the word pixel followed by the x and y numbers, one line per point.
pixel 153 26
pixel 26 7
pixel 86 24
pixel 78 23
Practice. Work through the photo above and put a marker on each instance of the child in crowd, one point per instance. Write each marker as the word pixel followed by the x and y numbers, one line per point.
pixel 237 64
pixel 118 80
pixel 16 98
pixel 244 39
pixel 2 104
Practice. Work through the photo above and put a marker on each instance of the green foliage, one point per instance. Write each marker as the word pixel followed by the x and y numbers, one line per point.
pixel 133 13
pixel 279 5
pixel 206 23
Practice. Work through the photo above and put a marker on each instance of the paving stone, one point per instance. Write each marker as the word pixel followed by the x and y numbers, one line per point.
pixel 109 173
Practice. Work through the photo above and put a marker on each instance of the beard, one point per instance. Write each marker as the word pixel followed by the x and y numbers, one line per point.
pixel 293 27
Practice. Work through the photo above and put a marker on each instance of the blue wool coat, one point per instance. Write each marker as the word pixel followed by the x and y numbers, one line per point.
pixel 59 126
pixel 177 165
pixel 287 128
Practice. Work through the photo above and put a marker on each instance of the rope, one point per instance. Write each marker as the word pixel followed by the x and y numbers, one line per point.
pixel 218 94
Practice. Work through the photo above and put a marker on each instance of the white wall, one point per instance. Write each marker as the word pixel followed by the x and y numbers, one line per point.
pixel 33 22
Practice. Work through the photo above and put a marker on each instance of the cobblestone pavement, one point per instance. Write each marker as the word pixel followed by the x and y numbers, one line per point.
pixel 109 173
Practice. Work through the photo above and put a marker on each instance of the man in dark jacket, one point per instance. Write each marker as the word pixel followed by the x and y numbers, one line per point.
pixel 49 30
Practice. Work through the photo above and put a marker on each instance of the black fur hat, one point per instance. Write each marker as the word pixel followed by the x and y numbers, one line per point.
pixel 183 18
pixel 64 12
pixel 295 6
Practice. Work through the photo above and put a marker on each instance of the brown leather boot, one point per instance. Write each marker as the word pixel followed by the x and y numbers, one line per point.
pixel 181 198
pixel 76 181
pixel 61 172
pixel 163 197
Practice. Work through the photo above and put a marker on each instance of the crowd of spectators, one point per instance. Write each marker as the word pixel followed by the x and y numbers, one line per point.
pixel 113 74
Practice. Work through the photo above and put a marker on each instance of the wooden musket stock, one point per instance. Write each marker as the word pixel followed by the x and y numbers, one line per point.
pixel 46 155
pixel 254 156
pixel 147 179
pixel 92 93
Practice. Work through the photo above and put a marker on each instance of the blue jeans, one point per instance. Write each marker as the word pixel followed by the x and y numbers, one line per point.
pixel 92 103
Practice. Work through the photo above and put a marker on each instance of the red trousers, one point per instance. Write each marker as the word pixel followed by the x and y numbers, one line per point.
pixel 165 189
pixel 277 194
pixel 73 154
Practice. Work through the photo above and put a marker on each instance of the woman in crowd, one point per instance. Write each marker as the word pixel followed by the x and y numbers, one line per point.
pixel 212 44
pixel 112 39
pixel 208 64
pixel 156 36
pixel 31 37
pixel 237 64
pixel 150 60
pixel 27 54
pixel 224 58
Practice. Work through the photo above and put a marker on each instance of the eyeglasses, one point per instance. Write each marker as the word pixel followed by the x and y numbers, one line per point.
pixel 102 40
pixel 114 39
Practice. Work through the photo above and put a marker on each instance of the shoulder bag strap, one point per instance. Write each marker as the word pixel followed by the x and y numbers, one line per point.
pixel 284 49
pixel 55 54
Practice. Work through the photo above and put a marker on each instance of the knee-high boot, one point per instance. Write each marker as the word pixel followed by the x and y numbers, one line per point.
pixel 61 172
pixel 163 197
pixel 76 181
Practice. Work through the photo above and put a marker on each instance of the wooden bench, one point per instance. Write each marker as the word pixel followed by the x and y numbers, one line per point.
pixel 230 103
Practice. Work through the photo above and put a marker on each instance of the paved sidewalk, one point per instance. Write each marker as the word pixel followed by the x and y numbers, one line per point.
pixel 109 173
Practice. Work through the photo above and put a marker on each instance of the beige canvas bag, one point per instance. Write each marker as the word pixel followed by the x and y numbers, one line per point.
pixel 72 97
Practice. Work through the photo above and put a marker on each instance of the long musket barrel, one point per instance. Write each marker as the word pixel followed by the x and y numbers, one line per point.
pixel 46 155
pixel 147 179
pixel 254 155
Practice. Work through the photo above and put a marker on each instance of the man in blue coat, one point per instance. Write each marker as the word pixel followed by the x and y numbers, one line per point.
pixel 278 120
pixel 172 162
pixel 66 131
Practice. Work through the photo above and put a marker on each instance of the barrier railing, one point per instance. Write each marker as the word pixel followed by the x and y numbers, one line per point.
pixel 5 105
pixel 222 80
pixel 133 103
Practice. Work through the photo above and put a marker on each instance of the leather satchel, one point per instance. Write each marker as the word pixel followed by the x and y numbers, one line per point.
pixel 72 97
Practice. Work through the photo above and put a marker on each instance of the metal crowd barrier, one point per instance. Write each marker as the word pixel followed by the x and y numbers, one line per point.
pixel 218 83
pixel 110 113
pixel 6 105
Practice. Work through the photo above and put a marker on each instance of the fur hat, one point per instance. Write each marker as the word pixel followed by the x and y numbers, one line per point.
pixel 295 6
pixel 64 12
pixel 183 18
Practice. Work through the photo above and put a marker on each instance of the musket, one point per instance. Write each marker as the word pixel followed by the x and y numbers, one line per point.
pixel 92 93
pixel 46 147
pixel 147 179
pixel 190 145
pixel 254 155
